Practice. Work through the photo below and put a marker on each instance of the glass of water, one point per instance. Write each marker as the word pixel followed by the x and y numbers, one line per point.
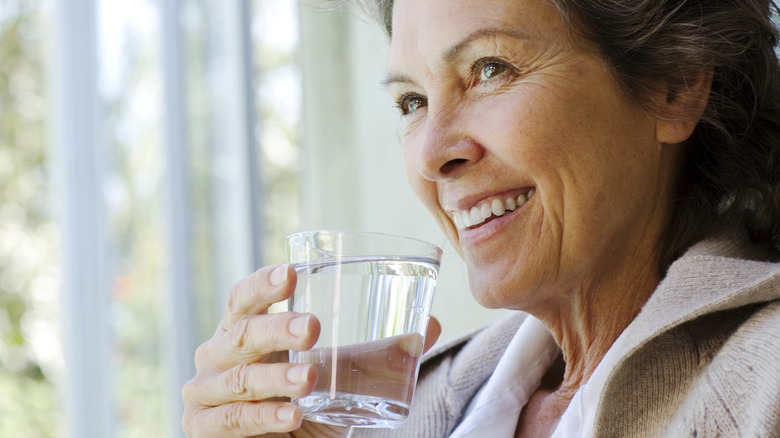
pixel 372 294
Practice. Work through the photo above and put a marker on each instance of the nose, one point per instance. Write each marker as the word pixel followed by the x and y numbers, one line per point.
pixel 446 151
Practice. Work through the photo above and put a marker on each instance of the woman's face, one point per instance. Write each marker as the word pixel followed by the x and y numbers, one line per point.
pixel 499 105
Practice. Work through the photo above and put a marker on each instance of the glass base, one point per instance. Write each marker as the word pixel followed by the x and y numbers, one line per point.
pixel 353 410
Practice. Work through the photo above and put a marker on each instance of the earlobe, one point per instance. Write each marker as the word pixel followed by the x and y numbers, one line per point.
pixel 681 108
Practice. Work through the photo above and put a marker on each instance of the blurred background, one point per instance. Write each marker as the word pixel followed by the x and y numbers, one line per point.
pixel 154 152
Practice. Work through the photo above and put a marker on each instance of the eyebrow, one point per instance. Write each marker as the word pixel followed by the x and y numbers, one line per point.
pixel 453 52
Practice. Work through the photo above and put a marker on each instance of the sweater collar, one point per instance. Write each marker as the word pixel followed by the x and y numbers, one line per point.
pixel 717 274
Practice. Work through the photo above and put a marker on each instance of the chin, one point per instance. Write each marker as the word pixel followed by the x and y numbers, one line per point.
pixel 489 296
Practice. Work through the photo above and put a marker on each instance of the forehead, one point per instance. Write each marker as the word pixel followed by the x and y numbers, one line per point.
pixel 432 28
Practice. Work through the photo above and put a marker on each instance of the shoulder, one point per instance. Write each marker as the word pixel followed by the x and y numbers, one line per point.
pixel 738 392
pixel 702 356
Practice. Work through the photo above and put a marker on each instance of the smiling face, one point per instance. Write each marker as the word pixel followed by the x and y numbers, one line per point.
pixel 544 176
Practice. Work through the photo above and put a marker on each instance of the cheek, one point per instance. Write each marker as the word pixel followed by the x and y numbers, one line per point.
pixel 510 124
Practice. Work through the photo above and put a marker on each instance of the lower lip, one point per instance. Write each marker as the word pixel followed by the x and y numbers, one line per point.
pixel 487 230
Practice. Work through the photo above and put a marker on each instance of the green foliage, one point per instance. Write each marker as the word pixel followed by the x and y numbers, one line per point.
pixel 29 401
pixel 29 408
pixel 31 365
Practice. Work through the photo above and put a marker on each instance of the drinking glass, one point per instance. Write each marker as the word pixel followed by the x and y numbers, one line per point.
pixel 372 294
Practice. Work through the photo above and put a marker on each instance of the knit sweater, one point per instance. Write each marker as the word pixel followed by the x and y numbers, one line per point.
pixel 702 359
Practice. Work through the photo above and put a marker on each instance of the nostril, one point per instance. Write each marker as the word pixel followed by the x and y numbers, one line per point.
pixel 451 165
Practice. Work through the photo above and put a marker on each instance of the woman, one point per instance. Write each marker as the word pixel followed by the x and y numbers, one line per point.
pixel 627 156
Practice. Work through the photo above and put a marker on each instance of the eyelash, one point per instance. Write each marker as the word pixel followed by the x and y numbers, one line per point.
pixel 476 73
pixel 403 102
pixel 479 65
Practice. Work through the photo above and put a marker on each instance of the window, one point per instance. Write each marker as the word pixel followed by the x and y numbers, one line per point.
pixel 30 353
pixel 153 153
pixel 141 184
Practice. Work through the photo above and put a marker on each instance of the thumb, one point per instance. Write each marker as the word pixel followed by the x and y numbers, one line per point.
pixel 432 335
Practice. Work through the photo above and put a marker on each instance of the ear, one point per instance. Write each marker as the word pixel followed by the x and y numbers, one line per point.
pixel 681 108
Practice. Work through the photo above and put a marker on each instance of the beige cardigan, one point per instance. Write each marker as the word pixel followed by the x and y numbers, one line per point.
pixel 702 359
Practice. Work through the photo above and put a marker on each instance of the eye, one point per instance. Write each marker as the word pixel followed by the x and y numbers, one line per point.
pixel 409 103
pixel 487 69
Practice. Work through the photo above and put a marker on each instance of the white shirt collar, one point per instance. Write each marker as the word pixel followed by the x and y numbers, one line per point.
pixel 496 407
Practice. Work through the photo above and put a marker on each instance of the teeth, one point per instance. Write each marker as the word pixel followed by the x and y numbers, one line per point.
pixel 476 216
pixel 460 219
pixel 486 210
pixel 458 222
pixel 465 217
pixel 495 207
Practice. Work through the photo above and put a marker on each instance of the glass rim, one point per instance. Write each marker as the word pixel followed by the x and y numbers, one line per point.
pixel 290 238
pixel 370 233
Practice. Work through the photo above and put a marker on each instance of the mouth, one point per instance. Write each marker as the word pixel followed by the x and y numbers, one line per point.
pixel 488 209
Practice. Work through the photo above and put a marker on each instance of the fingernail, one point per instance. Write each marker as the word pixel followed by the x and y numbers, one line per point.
pixel 298 374
pixel 279 275
pixel 299 325
pixel 285 413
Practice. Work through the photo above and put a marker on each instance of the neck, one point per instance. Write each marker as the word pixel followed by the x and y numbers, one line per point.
pixel 587 321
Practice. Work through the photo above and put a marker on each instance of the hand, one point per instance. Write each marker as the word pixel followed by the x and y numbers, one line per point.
pixel 242 382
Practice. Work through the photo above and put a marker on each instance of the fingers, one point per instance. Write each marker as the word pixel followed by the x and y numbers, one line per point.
pixel 242 419
pixel 239 390
pixel 252 382
pixel 433 333
pixel 255 293
pixel 252 338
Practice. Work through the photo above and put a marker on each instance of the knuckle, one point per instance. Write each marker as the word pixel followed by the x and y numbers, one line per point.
pixel 202 354
pixel 232 416
pixel 238 299
pixel 188 391
pixel 186 421
pixel 239 333
pixel 254 337
pixel 256 282
pixel 244 417
pixel 232 297
pixel 273 329
pixel 279 386
pixel 190 423
pixel 236 380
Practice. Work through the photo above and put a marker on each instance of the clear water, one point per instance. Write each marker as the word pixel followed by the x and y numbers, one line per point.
pixel 353 410
pixel 373 314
